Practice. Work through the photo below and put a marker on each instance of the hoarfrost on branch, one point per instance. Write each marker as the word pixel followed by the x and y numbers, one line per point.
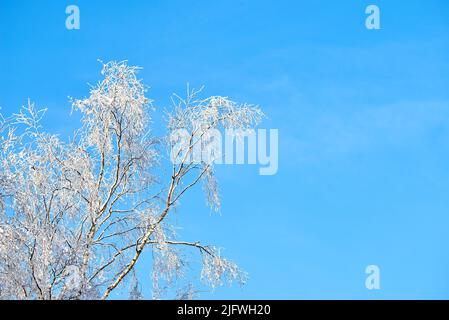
pixel 76 215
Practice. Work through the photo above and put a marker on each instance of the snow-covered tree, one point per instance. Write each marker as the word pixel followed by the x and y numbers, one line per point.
pixel 76 214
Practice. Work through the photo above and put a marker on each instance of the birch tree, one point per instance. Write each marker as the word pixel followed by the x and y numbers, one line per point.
pixel 78 213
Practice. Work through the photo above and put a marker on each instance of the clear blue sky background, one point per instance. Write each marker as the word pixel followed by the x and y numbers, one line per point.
pixel 363 119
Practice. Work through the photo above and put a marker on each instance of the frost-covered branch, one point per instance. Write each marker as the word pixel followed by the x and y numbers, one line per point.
pixel 77 214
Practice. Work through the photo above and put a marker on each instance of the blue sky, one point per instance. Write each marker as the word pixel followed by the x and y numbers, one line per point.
pixel 363 119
